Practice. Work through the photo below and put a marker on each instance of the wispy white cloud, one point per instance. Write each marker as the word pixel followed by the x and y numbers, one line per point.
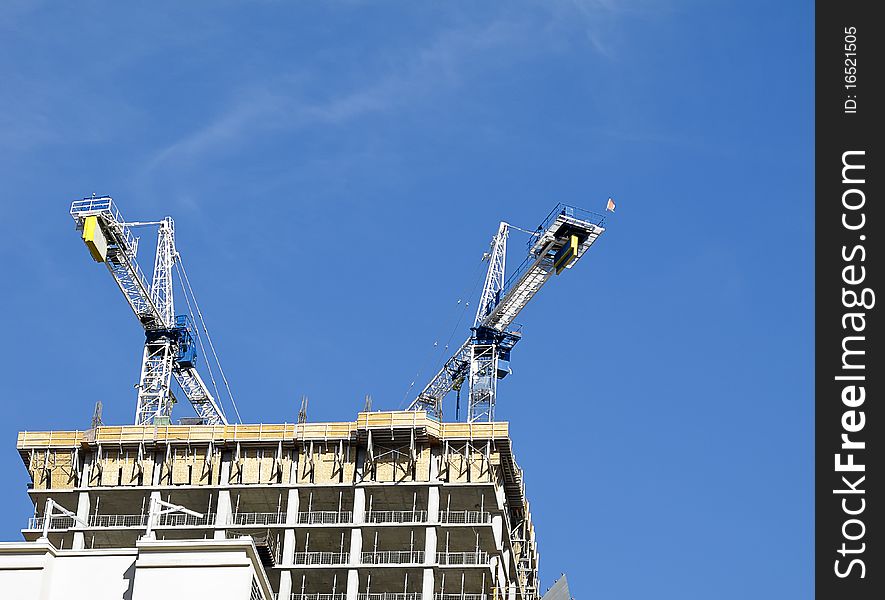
pixel 282 105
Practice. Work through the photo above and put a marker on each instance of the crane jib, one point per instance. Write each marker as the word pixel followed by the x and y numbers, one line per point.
pixel 562 238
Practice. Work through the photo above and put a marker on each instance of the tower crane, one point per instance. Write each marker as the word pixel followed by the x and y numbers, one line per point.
pixel 556 245
pixel 169 348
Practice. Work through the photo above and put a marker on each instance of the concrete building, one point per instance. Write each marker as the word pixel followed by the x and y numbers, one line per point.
pixel 392 506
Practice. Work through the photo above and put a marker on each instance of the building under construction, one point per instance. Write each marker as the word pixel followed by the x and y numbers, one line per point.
pixel 392 506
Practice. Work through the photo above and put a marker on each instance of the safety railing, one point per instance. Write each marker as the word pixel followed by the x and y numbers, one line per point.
pixel 471 517
pixel 117 520
pixel 258 518
pixel 463 558
pixel 320 558
pixel 392 557
pixel 571 213
pixel 55 523
pixel 390 596
pixel 396 516
pixel 257 593
pixel 297 596
pixel 325 517
pixel 185 520
pixel 460 597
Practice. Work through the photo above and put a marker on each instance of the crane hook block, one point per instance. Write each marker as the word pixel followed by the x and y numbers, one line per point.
pixel 95 239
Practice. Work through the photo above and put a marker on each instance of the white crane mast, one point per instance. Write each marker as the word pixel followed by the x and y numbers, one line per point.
pixel 169 345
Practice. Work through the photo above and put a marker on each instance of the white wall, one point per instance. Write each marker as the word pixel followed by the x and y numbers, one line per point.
pixel 166 570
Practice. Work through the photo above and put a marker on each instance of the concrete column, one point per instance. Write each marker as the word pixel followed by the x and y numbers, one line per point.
pixel 293 506
pixel 503 569
pixel 430 545
pixel 433 504
pixel 427 585
pixel 293 501
pixel 83 513
pixel 494 562
pixel 353 584
pixel 356 541
pixel 356 546
pixel 497 529
pixel 153 519
pixel 511 591
pixel 430 540
pixel 223 511
pixel 359 505
pixel 223 514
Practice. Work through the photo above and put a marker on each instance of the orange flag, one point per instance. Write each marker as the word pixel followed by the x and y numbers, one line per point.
pixel 611 205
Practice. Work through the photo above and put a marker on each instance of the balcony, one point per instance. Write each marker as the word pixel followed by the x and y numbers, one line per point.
pixel 396 516
pixel 325 517
pixel 321 558
pixel 297 596
pixel 390 596
pixel 460 597
pixel 392 557
pixel 463 558
pixel 468 517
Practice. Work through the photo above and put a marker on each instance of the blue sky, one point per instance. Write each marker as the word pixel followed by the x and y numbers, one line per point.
pixel 336 170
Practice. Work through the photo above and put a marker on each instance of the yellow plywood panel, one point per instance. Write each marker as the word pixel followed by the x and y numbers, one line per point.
pixel 110 469
pixel 131 469
pixel 285 467
pixel 384 470
pixel 422 469
pixel 268 468
pixel 181 467
pixel 324 472
pixel 479 470
pixel 206 467
pixel 457 467
pixel 250 467
pixel 348 473
pixel 147 467
pixel 49 439
pixel 306 461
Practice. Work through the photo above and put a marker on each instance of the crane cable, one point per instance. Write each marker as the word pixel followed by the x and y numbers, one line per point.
pixel 209 339
pixel 200 339
pixel 478 277
pixel 441 350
